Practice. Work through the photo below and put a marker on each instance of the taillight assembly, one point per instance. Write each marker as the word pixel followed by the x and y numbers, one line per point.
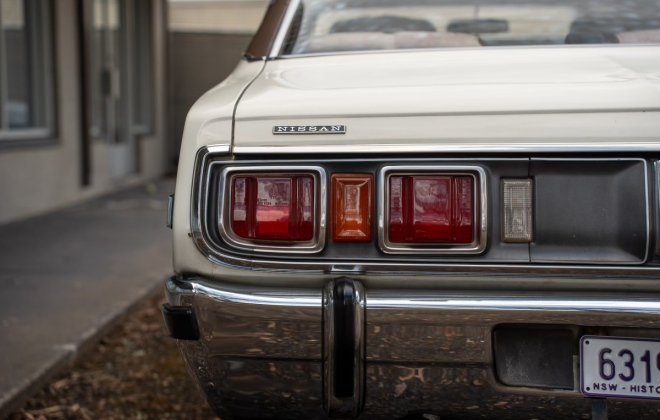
pixel 432 210
pixel 273 209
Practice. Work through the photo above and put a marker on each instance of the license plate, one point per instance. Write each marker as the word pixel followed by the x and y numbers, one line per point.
pixel 620 367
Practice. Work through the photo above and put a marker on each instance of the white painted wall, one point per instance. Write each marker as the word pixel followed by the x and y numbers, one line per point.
pixel 224 16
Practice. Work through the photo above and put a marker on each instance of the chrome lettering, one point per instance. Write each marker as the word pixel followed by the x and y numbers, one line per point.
pixel 315 129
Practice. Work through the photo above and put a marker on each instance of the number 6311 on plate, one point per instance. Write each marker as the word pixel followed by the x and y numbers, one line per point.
pixel 620 367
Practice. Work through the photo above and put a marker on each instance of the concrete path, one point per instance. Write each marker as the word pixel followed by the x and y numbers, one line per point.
pixel 67 277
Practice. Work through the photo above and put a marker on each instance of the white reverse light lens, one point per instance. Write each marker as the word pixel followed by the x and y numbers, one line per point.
pixel 517 210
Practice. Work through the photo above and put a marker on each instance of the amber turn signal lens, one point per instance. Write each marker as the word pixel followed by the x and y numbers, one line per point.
pixel 351 207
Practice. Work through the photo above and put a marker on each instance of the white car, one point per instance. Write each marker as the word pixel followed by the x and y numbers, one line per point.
pixel 426 208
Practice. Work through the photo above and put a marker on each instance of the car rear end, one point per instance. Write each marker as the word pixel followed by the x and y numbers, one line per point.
pixel 467 232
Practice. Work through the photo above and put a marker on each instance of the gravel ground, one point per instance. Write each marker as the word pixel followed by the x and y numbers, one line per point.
pixel 135 372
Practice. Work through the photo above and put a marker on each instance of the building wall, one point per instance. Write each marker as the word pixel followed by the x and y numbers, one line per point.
pixel 35 179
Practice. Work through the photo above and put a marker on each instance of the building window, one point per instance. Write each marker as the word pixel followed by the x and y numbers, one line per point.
pixel 120 68
pixel 142 68
pixel 26 99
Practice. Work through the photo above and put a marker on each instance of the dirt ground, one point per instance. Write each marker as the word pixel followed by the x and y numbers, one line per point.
pixel 135 372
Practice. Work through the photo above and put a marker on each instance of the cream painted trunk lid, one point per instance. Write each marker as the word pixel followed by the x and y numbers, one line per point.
pixel 495 99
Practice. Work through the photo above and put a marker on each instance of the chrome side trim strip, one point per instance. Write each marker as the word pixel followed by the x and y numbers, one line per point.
pixel 441 49
pixel 383 301
pixel 453 114
pixel 396 269
pixel 284 28
pixel 480 210
pixel 320 208
pixel 379 149
pixel 217 149
pixel 170 211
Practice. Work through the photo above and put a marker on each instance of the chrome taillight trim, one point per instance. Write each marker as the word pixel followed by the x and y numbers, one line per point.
pixel 632 276
pixel 316 244
pixel 477 246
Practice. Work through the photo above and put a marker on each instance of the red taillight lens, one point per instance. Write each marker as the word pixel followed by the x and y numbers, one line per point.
pixel 431 209
pixel 271 207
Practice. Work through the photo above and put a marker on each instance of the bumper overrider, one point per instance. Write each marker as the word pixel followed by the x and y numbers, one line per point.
pixel 348 351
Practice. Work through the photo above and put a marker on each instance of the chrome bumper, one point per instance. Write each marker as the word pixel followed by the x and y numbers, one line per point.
pixel 261 351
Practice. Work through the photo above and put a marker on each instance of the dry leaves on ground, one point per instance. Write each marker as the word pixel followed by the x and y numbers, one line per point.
pixel 135 372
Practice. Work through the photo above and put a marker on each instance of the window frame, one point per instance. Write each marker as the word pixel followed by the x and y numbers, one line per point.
pixel 41 17
pixel 142 67
pixel 135 73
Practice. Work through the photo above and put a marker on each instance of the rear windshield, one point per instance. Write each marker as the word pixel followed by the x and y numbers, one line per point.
pixel 325 26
